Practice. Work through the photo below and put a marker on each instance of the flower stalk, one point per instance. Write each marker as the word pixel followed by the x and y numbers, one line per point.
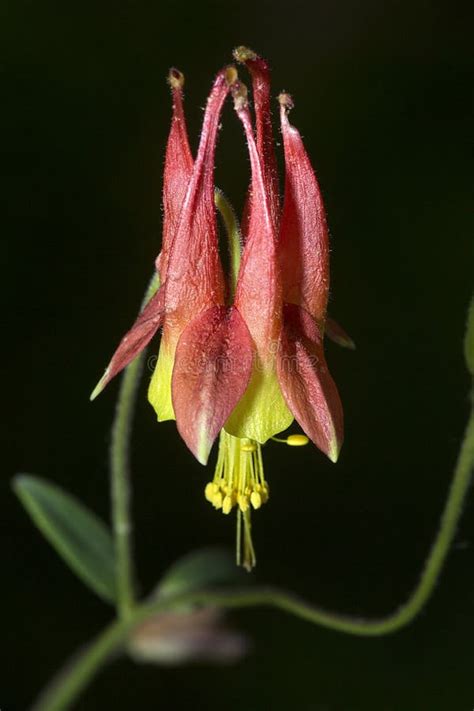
pixel 120 474
pixel 78 675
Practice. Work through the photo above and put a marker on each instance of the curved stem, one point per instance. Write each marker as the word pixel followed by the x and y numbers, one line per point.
pixel 120 475
pixel 78 675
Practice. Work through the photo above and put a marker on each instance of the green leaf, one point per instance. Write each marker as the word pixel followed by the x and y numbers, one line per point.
pixel 200 569
pixel 469 338
pixel 76 533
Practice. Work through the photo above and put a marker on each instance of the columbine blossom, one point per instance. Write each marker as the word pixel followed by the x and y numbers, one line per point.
pixel 241 359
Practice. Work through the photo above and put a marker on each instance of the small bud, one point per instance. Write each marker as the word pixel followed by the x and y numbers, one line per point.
pixel 182 637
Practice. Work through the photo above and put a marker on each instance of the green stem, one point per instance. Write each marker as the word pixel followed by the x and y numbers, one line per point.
pixel 79 674
pixel 120 475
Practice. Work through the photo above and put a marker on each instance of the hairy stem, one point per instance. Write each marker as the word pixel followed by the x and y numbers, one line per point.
pixel 120 478
pixel 69 684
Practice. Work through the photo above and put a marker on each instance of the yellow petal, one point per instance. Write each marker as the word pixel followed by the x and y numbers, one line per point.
pixel 262 411
pixel 159 391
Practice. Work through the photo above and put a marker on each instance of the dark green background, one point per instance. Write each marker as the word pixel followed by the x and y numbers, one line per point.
pixel 381 92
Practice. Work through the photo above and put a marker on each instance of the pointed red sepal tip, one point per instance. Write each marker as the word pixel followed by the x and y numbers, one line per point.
pixel 132 344
pixel 211 372
pixel 100 385
pixel 306 383
pixel 336 333
pixel 175 78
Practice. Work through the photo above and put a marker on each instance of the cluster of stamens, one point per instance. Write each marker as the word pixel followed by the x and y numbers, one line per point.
pixel 239 479
pixel 239 482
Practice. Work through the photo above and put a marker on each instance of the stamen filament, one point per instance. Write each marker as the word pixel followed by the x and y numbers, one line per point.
pixel 239 482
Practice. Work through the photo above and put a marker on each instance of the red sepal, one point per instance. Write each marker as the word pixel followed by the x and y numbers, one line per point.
pixel 177 172
pixel 134 341
pixel 258 293
pixel 212 369
pixel 307 385
pixel 303 243
pixel 194 277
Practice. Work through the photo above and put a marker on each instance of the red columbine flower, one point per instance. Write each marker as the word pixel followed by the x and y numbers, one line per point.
pixel 244 367
pixel 191 296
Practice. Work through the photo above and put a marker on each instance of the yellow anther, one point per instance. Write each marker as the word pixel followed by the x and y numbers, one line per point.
pixel 256 499
pixel 217 500
pixel 227 504
pixel 248 446
pixel 243 502
pixel 297 440
pixel 209 491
